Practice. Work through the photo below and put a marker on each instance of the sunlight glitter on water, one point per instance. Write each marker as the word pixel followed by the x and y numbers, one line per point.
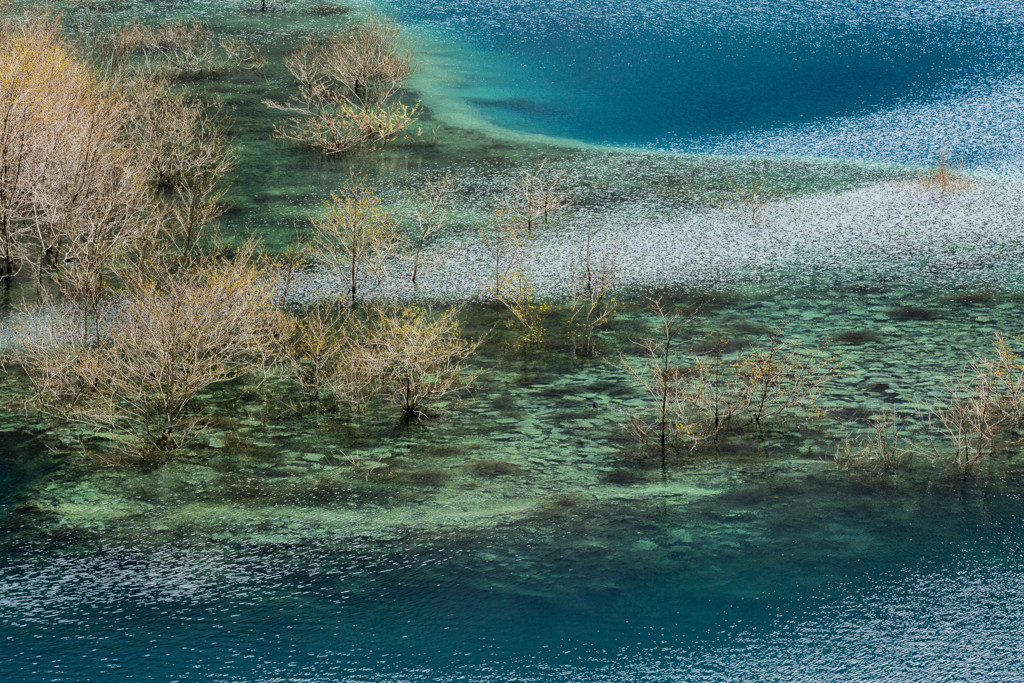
pixel 272 560
pixel 879 80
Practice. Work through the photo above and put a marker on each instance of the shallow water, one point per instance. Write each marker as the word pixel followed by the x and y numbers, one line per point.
pixel 290 547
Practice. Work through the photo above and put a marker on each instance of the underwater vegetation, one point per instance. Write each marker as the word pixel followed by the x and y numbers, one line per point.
pixel 310 371
pixel 149 325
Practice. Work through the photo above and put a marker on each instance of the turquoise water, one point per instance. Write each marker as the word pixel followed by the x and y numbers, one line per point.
pixel 884 80
pixel 780 581
pixel 581 564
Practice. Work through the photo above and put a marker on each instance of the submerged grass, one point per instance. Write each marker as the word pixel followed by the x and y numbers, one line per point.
pixel 910 285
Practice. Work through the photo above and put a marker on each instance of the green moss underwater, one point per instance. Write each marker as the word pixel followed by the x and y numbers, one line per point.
pixel 902 283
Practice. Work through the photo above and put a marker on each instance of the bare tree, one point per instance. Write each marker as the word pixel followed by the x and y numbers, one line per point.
pixel 537 194
pixel 171 338
pixel 985 402
pixel 700 400
pixel 780 376
pixel 944 178
pixel 428 204
pixel 885 450
pixel 592 304
pixel 315 346
pixel 55 125
pixel 179 140
pixel 752 197
pixel 178 49
pixel 422 357
pixel 514 284
pixel 659 374
pixel 73 196
pixel 349 89
pixel 355 232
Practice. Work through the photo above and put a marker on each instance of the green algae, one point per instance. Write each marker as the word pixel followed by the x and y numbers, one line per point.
pixel 539 444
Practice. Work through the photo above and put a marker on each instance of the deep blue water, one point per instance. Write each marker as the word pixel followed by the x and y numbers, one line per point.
pixel 854 591
pixel 885 80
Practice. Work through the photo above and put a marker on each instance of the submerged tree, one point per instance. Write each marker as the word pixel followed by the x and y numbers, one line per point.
pixel 355 232
pixel 985 405
pixel 74 196
pixel 62 158
pixel 659 374
pixel 429 204
pixel 421 356
pixel 944 177
pixel 751 197
pixel 592 304
pixel 316 348
pixel 349 87
pixel 514 286
pixel 408 354
pixel 537 194
pixel 178 49
pixel 886 449
pixel 698 399
pixel 170 338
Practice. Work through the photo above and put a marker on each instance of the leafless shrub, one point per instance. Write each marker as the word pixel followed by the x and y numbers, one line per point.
pixel 168 340
pixel 349 89
pixel 537 194
pixel 944 178
pixel 428 204
pixel 355 233
pixel 970 421
pixel 986 402
pixel 781 376
pixel 885 450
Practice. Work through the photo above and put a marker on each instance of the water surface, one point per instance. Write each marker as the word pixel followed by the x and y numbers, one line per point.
pixel 273 551
pixel 885 80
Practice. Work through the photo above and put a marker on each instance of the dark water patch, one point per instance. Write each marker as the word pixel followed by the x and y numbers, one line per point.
pixel 24 459
pixel 517 105
pixel 561 507
pixel 747 328
pixel 327 9
pixel 622 477
pixel 912 313
pixel 329 490
pixel 869 288
pixel 856 337
pixel 443 450
pixel 424 477
pixel 857 413
pixel 883 388
pixel 493 468
pixel 980 298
